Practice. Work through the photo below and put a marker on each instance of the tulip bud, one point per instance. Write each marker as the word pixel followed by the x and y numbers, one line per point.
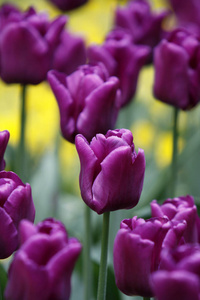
pixel 88 101
pixel 137 249
pixel 27 44
pixel 42 267
pixel 15 204
pixel 178 209
pixel 178 276
pixel 177 70
pixel 123 59
pixel 112 173
pixel 144 25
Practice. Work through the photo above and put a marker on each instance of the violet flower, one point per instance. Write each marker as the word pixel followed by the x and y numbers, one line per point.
pixel 88 101
pixel 144 25
pixel 178 209
pixel 177 70
pixel 178 277
pixel 137 249
pixel 122 59
pixel 27 44
pixel 69 54
pixel 112 173
pixel 65 5
pixel 42 267
pixel 15 204
pixel 4 137
pixel 187 14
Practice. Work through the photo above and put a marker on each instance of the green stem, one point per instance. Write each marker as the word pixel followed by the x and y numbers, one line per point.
pixel 146 298
pixel 101 292
pixel 87 255
pixel 174 153
pixel 22 143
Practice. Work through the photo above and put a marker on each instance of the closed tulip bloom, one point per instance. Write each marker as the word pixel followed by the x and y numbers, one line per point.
pixel 112 173
pixel 178 209
pixel 65 5
pixel 69 54
pixel 27 44
pixel 178 277
pixel 123 59
pixel 177 70
pixel 137 249
pixel 4 137
pixel 144 25
pixel 42 267
pixel 15 204
pixel 88 101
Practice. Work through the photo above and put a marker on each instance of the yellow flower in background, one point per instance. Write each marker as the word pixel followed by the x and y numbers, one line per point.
pixel 144 134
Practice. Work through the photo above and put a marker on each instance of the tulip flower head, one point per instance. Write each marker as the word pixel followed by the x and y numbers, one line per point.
pixel 15 204
pixel 187 14
pixel 178 209
pixel 137 249
pixel 112 173
pixel 4 137
pixel 122 59
pixel 88 101
pixel 178 277
pixel 43 265
pixel 177 70
pixel 27 44
pixel 144 25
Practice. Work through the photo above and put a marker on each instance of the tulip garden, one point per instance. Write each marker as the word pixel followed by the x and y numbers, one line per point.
pixel 99 150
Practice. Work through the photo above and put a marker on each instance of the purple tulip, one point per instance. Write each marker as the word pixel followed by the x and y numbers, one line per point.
pixel 123 59
pixel 66 5
pixel 27 44
pixel 15 204
pixel 69 54
pixel 187 14
pixel 112 173
pixel 4 137
pixel 178 209
pixel 179 276
pixel 144 25
pixel 137 249
pixel 42 267
pixel 88 101
pixel 177 70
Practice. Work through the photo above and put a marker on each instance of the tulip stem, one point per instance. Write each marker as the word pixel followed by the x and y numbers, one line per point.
pixel 22 148
pixel 174 152
pixel 146 298
pixel 87 255
pixel 101 292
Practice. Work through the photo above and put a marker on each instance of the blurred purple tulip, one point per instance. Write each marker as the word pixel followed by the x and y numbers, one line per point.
pixel 112 173
pixel 179 276
pixel 27 44
pixel 69 54
pixel 178 209
pixel 4 137
pixel 65 5
pixel 144 25
pixel 187 14
pixel 15 204
pixel 123 59
pixel 42 267
pixel 137 249
pixel 88 101
pixel 177 70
